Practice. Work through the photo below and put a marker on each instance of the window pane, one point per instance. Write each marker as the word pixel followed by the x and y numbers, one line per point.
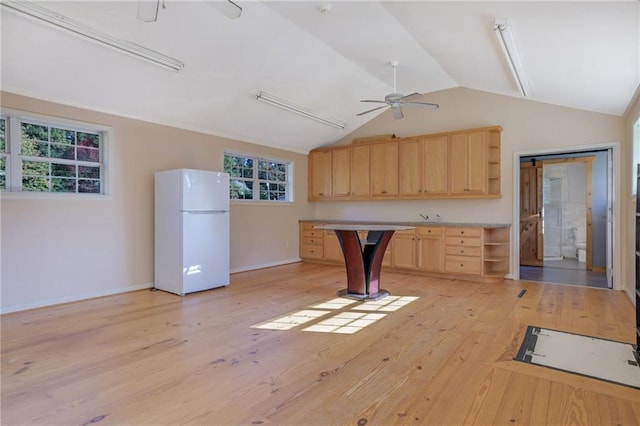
pixel 63 136
pixel 88 154
pixel 89 172
pixel 63 185
pixel 89 140
pixel 35 168
pixel 65 170
pixel 3 173
pixel 34 132
pixel 3 143
pixel 67 152
pixel 241 190
pixel 40 184
pixel 34 148
pixel 89 186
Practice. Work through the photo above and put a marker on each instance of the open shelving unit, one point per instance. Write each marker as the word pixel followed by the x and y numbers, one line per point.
pixel 493 163
pixel 495 255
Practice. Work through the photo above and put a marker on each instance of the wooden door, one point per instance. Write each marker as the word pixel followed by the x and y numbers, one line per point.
pixel 320 173
pixel 341 172
pixel 434 165
pixel 360 171
pixel 531 240
pixel 409 167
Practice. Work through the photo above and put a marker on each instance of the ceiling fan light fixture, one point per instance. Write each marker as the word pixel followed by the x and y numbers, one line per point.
pixel 507 42
pixel 62 22
pixel 305 112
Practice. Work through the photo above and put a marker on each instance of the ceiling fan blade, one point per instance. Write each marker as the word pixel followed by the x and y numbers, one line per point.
pixel 376 102
pixel 411 96
pixel 422 105
pixel 397 112
pixel 371 110
pixel 148 10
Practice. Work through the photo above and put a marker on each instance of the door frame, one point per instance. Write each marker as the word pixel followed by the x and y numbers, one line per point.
pixel 616 246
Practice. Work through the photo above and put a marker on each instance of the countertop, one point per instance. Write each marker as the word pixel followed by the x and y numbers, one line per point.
pixel 416 223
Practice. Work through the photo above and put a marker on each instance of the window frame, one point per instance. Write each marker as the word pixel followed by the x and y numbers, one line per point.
pixel 289 181
pixel 13 122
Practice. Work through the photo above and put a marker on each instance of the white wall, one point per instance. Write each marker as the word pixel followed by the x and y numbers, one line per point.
pixel 55 250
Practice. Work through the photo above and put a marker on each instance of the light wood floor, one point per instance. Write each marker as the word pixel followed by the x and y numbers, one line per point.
pixel 151 358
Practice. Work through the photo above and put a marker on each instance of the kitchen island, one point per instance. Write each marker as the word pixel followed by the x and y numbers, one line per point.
pixel 363 257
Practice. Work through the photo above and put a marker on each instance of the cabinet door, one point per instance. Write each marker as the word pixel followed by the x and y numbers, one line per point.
pixel 434 165
pixel 384 169
pixel 319 174
pixel 430 256
pixel 332 249
pixel 458 173
pixel 468 163
pixel 410 167
pixel 477 163
pixel 341 172
pixel 403 251
pixel 360 171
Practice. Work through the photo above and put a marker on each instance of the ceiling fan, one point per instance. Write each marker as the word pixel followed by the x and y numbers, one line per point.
pixel 148 9
pixel 397 100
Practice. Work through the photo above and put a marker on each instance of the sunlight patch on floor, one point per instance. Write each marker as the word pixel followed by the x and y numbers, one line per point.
pixel 345 323
pixel 348 321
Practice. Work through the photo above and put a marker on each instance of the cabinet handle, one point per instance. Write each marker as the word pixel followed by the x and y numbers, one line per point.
pixel 461 241
pixel 384 192
pixel 461 232
pixel 461 251
pixel 462 265
pixel 321 193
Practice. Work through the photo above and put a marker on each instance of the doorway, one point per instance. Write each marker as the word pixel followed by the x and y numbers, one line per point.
pixel 565 212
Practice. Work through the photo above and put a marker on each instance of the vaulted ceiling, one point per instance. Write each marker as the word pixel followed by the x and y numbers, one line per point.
pixel 583 55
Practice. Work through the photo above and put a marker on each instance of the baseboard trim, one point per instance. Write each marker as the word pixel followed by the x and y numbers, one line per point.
pixel 265 265
pixel 61 301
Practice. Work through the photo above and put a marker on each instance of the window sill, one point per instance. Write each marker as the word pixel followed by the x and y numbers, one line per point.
pixel 262 203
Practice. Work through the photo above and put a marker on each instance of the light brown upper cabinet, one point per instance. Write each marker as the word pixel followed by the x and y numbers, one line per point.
pixel 360 182
pixel 341 172
pixel 459 164
pixel 468 163
pixel 423 166
pixel 384 169
pixel 320 175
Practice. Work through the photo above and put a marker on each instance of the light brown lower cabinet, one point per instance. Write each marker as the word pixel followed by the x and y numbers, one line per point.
pixel 479 253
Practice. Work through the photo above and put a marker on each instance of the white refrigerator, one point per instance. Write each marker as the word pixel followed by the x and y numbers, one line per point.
pixel 191 230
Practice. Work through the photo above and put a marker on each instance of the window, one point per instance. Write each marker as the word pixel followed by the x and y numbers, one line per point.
pixel 41 156
pixel 258 179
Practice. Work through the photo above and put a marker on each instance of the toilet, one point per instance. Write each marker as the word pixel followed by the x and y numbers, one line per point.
pixel 581 251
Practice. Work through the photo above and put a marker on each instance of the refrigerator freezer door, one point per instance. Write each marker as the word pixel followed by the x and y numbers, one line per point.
pixel 204 190
pixel 205 251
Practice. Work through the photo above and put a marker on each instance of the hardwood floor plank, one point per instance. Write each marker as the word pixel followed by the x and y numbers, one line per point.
pixel 150 357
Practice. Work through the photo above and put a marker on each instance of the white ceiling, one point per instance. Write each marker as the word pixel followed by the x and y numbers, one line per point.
pixel 582 55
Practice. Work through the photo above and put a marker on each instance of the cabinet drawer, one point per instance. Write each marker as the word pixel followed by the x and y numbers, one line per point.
pixel 316 233
pixel 463 232
pixel 308 226
pixel 462 265
pixel 312 241
pixel 463 241
pixel 462 251
pixel 311 252
pixel 429 230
